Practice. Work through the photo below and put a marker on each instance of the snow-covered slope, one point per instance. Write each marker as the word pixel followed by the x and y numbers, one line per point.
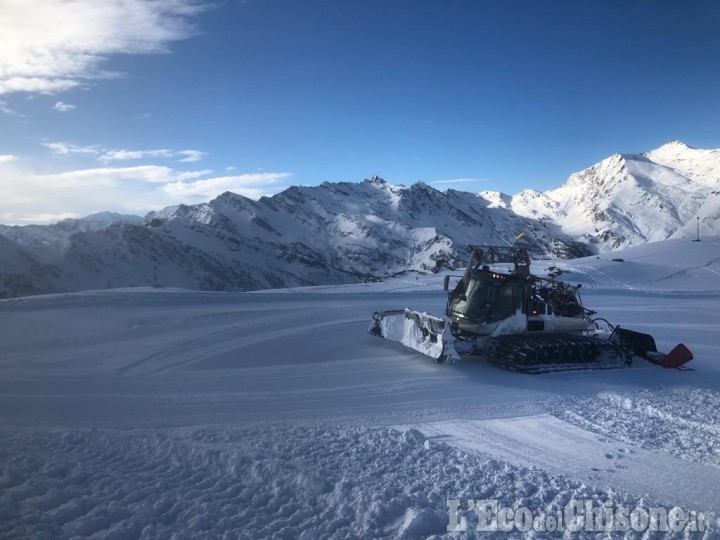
pixel 628 199
pixel 371 228
pixel 57 235
pixel 352 232
pixel 670 264
pixel 22 272
pixel 155 413
pixel 332 233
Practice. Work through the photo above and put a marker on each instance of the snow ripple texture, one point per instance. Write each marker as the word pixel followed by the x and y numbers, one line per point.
pixel 269 482
pixel 680 421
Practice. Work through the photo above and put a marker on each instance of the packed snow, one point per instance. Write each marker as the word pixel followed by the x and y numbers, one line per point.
pixel 153 413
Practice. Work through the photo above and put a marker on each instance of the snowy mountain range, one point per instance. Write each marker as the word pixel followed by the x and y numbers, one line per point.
pixel 348 232
pixel 630 199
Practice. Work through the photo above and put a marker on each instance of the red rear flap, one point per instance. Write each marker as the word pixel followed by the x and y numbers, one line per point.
pixel 679 356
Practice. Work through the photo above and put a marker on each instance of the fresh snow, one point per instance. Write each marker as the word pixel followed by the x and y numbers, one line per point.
pixel 351 232
pixel 630 199
pixel 329 234
pixel 159 413
pixel 560 447
pixel 411 329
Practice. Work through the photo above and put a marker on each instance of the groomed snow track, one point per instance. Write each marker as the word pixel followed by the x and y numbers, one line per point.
pixel 547 353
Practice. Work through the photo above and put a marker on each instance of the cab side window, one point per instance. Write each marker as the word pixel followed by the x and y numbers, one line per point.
pixel 505 305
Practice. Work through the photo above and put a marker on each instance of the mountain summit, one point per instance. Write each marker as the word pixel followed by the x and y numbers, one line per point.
pixel 348 232
pixel 630 199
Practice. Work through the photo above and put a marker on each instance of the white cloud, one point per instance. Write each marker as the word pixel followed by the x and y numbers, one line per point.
pixel 27 219
pixel 107 155
pixel 190 156
pixel 110 177
pixel 34 84
pixel 6 110
pixel 65 149
pixel 124 155
pixel 7 158
pixel 192 175
pixel 56 45
pixel 63 107
pixel 250 185
pixel 44 198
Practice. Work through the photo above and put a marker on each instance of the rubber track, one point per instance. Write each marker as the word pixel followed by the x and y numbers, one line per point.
pixel 552 352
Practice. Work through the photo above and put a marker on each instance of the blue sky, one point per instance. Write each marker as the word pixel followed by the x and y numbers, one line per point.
pixel 133 105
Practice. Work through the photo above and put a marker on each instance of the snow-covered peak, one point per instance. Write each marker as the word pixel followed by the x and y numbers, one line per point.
pixel 669 149
pixel 375 183
pixel 611 170
pixel 697 164
pixel 97 221
pixel 349 231
pixel 306 235
pixel 629 199
pixel 201 213
pixel 56 236
pixel 496 199
pixel 535 204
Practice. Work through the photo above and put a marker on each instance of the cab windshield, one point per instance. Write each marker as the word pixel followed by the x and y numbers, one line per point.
pixel 479 298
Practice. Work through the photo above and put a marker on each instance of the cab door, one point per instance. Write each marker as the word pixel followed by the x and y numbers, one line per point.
pixel 508 302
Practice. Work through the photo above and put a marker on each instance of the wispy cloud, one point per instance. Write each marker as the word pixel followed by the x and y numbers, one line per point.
pixel 7 158
pixel 192 175
pixel 250 185
pixel 110 177
pixel 186 156
pixel 105 155
pixel 27 219
pixel 6 110
pixel 66 149
pixel 190 156
pixel 461 181
pixel 126 155
pixel 56 45
pixel 63 107
pixel 40 198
